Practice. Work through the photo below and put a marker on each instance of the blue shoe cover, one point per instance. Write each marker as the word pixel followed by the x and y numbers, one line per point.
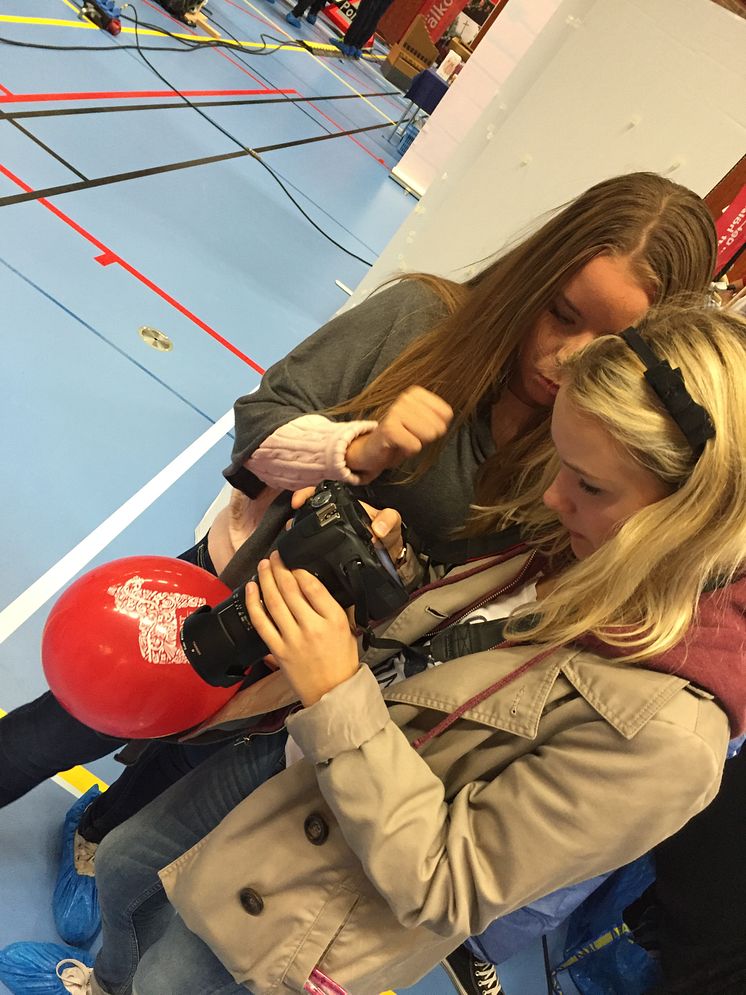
pixel 31 968
pixel 292 19
pixel 348 50
pixel 75 902
pixel 311 18
pixel 358 52
pixel 338 43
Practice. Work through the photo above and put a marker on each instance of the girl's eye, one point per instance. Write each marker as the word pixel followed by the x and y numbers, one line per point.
pixel 589 488
pixel 562 318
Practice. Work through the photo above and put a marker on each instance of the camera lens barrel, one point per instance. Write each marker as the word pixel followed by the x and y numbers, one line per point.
pixel 221 643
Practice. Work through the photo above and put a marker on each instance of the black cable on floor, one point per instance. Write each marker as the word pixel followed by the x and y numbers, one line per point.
pixel 240 144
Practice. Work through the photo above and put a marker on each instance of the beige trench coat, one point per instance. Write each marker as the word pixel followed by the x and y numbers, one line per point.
pixel 374 860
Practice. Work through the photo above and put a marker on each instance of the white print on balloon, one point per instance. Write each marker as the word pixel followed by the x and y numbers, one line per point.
pixel 160 614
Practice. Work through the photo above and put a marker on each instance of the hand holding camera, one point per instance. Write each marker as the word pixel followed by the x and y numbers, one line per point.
pixel 303 627
pixel 330 538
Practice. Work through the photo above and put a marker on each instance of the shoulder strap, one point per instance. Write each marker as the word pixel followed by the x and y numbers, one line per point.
pixel 452 551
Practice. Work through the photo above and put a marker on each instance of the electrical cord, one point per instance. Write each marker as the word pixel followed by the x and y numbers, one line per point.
pixel 270 83
pixel 279 43
pixel 189 46
pixel 236 141
pixel 186 44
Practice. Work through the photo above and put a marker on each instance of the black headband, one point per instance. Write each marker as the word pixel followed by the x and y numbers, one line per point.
pixel 693 420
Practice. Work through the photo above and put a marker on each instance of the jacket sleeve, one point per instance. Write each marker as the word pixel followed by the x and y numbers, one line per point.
pixel 331 366
pixel 571 809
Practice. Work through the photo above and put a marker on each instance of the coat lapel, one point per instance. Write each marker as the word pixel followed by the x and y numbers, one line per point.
pixel 515 708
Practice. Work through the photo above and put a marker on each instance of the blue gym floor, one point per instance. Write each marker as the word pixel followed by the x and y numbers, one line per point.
pixel 97 427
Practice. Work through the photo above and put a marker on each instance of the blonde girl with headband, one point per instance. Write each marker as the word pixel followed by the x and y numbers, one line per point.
pixel 526 753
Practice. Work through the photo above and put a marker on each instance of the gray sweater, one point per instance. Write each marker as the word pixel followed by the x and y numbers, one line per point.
pixel 330 366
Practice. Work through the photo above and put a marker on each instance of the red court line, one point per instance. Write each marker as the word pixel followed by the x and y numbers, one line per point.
pixel 182 25
pixel 352 137
pixel 331 120
pixel 107 256
pixel 5 90
pixel 13 98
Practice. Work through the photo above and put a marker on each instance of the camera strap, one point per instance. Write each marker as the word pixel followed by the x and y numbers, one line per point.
pixel 362 620
pixel 456 551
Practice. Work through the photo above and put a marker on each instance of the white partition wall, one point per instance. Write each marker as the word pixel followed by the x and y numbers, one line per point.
pixel 558 95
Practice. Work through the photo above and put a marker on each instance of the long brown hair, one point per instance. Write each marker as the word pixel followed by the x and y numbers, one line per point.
pixel 664 229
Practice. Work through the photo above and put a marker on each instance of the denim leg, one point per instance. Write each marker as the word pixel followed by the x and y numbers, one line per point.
pixel 160 766
pixel 134 907
pixel 40 739
pixel 181 964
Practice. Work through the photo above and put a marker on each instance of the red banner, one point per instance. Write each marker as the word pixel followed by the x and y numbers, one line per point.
pixel 731 231
pixel 438 14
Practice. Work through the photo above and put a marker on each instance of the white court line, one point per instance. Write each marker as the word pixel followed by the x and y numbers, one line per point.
pixel 24 606
pixel 76 792
pixel 320 62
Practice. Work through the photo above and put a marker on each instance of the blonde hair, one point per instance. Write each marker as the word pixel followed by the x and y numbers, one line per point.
pixel 640 590
pixel 663 229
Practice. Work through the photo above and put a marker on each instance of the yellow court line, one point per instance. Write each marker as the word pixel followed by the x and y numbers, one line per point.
pixel 88 26
pixel 54 21
pixel 344 82
pixel 78 778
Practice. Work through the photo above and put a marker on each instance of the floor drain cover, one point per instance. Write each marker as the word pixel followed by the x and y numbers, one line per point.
pixel 155 339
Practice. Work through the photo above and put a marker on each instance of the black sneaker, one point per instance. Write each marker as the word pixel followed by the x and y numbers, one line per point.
pixel 471 976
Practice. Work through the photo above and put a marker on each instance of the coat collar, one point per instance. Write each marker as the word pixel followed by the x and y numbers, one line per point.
pixel 627 697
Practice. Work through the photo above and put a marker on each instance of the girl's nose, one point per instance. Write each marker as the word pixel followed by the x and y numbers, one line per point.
pixel 554 496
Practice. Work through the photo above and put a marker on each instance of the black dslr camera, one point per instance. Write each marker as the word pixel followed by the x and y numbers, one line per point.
pixel 329 537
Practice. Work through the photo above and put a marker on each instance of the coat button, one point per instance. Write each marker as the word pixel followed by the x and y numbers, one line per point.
pixel 251 901
pixel 316 829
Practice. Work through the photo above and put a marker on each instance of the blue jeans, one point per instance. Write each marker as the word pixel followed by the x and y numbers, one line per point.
pixel 144 941
pixel 40 739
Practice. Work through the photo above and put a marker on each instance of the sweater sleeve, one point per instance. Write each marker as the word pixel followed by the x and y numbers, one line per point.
pixel 305 451
pixel 331 366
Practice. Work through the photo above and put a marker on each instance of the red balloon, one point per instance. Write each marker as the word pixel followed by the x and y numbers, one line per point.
pixel 111 649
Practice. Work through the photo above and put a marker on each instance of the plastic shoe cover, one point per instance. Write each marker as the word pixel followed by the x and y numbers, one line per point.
pixel 348 50
pixel 338 43
pixel 292 19
pixel 358 53
pixel 75 902
pixel 311 18
pixel 31 968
